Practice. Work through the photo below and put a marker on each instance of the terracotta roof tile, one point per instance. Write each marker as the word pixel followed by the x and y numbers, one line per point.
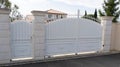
pixel 55 12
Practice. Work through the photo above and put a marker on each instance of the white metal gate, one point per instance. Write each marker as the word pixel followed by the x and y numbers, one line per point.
pixel 21 32
pixel 72 36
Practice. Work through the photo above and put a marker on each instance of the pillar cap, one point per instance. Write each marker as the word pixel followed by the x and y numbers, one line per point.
pixel 107 18
pixel 4 11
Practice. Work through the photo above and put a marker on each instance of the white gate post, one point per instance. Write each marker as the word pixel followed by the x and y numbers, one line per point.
pixel 106 22
pixel 39 34
pixel 5 50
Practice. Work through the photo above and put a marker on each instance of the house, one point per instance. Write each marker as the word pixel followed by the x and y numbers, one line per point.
pixel 51 15
pixel 29 18
pixel 54 15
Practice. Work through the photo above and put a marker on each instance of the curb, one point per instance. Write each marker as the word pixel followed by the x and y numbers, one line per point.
pixel 58 58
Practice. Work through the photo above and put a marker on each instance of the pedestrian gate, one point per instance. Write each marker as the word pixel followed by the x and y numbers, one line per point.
pixel 21 32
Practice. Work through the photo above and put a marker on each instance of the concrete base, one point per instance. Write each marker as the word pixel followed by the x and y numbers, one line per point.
pixel 38 58
pixel 4 61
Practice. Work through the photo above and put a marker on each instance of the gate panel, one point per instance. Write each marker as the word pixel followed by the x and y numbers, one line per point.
pixel 21 32
pixel 72 36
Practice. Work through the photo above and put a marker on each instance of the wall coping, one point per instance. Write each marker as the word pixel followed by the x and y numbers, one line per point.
pixel 116 23
pixel 107 18
pixel 4 11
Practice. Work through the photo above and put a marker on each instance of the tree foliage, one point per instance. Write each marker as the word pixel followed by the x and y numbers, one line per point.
pixel 14 14
pixel 110 9
pixel 92 17
pixel 85 13
pixel 5 4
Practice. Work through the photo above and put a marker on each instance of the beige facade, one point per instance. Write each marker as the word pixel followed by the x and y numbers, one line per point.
pixel 29 18
pixel 115 40
pixel 54 15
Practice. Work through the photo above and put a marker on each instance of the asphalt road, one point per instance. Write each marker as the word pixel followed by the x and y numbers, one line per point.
pixel 100 61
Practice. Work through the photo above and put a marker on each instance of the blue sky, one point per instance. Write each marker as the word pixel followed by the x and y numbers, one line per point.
pixel 68 6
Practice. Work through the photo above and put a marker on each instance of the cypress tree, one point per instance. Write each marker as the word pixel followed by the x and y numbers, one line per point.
pixel 85 13
pixel 110 9
pixel 95 14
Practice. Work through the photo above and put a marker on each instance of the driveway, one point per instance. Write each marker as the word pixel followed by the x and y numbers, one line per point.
pixel 100 61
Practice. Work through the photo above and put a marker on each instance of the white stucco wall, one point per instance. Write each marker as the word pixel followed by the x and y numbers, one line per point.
pixel 106 22
pixel 5 49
